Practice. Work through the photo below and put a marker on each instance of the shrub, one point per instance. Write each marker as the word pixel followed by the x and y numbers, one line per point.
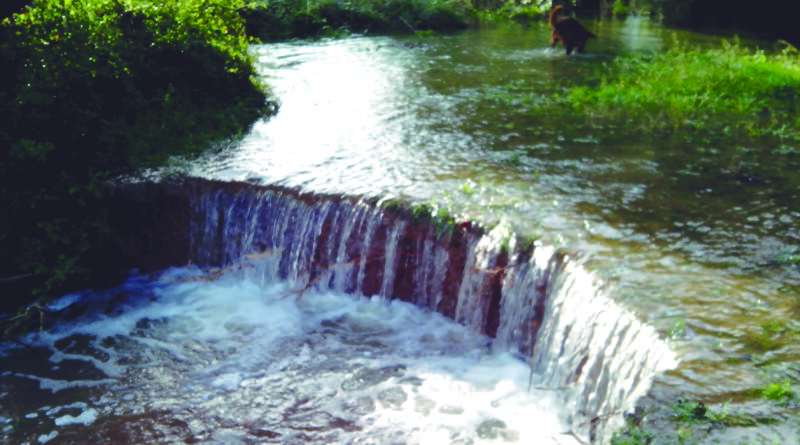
pixel 272 20
pixel 94 90
pixel 619 9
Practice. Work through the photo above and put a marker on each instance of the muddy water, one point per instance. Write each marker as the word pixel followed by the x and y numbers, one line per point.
pixel 688 233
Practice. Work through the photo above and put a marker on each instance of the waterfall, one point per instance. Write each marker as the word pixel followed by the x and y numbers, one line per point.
pixel 540 303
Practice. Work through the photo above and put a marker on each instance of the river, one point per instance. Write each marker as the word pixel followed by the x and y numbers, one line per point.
pixel 675 236
pixel 684 242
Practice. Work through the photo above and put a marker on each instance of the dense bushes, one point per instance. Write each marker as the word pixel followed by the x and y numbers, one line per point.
pixel 93 90
pixel 282 19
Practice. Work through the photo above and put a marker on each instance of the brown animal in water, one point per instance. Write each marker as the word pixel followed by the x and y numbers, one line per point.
pixel 569 31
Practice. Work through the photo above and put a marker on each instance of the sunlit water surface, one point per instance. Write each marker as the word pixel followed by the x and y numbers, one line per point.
pixel 686 232
pixel 677 234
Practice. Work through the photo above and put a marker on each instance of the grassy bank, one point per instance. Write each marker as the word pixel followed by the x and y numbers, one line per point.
pixel 91 91
pixel 731 91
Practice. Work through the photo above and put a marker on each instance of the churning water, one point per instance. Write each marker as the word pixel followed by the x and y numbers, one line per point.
pixel 257 355
pixel 270 348
pixel 176 359
pixel 692 234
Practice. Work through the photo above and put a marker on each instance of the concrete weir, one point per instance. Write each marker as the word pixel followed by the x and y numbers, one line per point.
pixel 535 301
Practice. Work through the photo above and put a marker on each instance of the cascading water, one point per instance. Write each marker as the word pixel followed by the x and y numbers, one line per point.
pixel 305 327
pixel 597 358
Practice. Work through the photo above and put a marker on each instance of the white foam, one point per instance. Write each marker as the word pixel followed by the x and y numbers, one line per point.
pixel 229 381
pixel 44 438
pixel 55 385
pixel 64 302
pixel 51 411
pixel 233 352
pixel 85 418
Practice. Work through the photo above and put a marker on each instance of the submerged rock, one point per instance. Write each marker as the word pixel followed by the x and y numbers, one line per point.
pixel 368 377
pixel 393 398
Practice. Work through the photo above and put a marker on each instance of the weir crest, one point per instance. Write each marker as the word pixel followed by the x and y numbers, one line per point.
pixel 596 357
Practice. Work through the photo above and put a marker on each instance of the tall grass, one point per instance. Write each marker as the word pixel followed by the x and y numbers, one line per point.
pixel 687 88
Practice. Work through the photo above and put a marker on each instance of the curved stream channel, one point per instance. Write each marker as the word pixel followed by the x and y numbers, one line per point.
pixel 674 237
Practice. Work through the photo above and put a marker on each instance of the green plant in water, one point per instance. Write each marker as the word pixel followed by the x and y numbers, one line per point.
pixel 684 434
pixel 677 328
pixel 789 256
pixel 783 328
pixel 633 435
pixel 392 205
pixel 778 392
pixel 420 212
pixel 689 417
pixel 443 221
pixel 689 412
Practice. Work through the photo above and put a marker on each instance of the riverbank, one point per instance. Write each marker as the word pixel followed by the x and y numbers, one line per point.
pixel 296 19
pixel 92 91
pixel 731 91
pixel 681 238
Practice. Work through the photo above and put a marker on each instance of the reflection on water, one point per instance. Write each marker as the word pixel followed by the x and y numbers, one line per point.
pixel 687 232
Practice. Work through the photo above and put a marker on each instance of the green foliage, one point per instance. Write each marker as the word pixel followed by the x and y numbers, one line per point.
pixel 443 223
pixel 272 20
pixel 420 212
pixel 633 435
pixel 281 19
pixel 620 9
pixel 677 328
pixel 93 90
pixel 523 11
pixel 781 328
pixel 778 392
pixel 688 423
pixel 689 412
pixel 723 89
pixel 788 256
pixel 519 11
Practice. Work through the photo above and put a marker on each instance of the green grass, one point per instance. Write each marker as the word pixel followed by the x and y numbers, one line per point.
pixel 778 392
pixel 732 89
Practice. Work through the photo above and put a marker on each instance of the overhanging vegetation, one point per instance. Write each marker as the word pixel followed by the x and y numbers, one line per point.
pixel 93 90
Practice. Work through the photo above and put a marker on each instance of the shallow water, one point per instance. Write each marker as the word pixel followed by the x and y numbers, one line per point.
pixel 170 359
pixel 686 232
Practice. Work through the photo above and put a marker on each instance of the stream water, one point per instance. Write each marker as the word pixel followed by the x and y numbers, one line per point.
pixel 676 235
pixel 687 233
pixel 185 365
